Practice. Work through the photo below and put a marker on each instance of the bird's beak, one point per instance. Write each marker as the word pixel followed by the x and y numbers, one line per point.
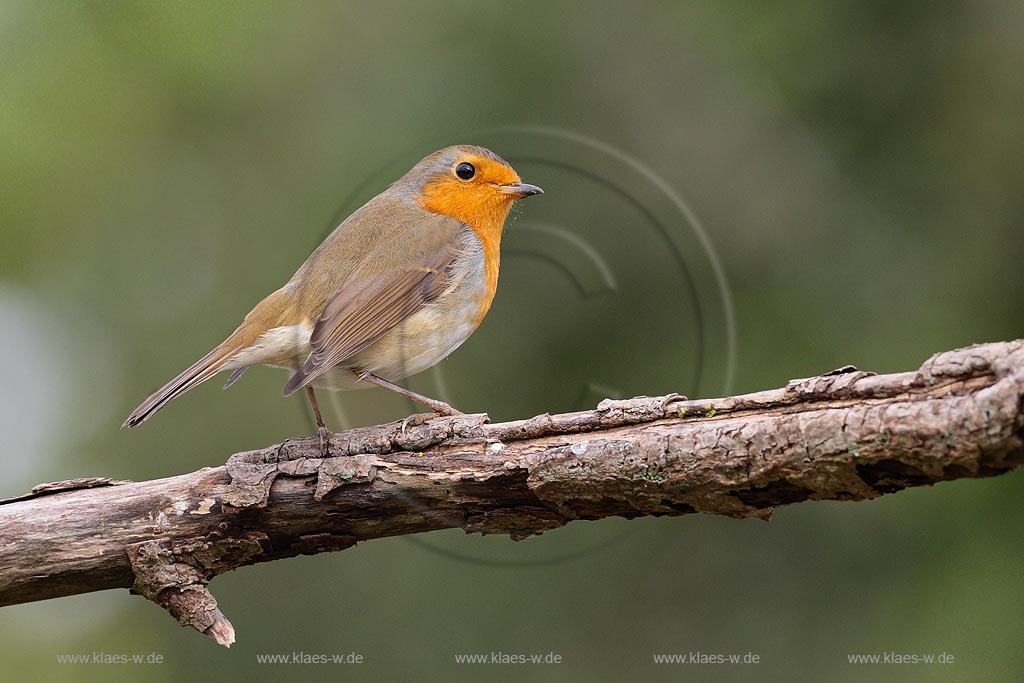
pixel 520 189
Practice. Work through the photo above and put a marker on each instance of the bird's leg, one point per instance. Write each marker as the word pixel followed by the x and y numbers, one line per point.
pixel 439 407
pixel 322 431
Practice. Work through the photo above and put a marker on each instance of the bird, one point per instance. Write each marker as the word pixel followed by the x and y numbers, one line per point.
pixel 393 290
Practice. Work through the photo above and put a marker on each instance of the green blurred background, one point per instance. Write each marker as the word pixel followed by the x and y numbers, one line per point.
pixel 856 165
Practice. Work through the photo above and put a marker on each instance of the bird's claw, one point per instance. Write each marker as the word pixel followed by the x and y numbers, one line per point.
pixel 672 398
pixel 417 419
pixel 445 410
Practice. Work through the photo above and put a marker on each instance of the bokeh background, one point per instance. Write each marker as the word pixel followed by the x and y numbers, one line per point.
pixel 857 167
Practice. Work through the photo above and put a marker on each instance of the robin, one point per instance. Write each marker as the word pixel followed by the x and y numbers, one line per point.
pixel 393 290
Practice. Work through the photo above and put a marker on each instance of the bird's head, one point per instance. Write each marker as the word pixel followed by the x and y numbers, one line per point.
pixel 470 183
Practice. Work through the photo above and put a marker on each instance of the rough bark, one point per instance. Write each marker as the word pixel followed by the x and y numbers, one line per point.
pixel 845 435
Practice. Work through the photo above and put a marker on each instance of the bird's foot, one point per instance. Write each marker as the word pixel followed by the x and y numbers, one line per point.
pixel 672 398
pixel 442 408
pixel 417 419
pixel 325 441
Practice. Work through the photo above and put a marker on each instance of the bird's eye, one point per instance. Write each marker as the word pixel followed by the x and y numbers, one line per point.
pixel 465 170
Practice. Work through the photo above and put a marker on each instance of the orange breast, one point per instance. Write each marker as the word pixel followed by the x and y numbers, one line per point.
pixel 491 239
pixel 485 212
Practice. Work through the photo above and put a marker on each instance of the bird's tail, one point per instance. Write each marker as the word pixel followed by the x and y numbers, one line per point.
pixel 202 370
pixel 268 314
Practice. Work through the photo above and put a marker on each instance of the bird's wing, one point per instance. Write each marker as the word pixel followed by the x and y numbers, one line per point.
pixel 395 281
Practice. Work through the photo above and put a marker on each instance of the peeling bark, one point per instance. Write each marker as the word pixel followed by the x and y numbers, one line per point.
pixel 845 435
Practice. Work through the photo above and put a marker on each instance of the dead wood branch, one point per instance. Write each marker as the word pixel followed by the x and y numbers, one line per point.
pixel 846 435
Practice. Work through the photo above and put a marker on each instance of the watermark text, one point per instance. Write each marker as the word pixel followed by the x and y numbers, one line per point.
pixel 302 657
pixel 101 657
pixel 901 658
pixel 509 658
pixel 698 657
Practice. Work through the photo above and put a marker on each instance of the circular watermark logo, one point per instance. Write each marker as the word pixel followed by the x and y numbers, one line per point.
pixel 609 288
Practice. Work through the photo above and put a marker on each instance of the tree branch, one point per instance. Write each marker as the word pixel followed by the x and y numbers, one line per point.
pixel 846 435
